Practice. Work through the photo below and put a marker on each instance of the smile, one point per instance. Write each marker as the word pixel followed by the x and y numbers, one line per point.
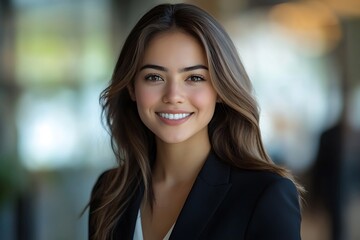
pixel 175 116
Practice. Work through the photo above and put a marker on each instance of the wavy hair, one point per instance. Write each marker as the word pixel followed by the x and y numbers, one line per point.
pixel 233 131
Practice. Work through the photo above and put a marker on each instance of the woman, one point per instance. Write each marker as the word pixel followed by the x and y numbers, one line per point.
pixel 185 131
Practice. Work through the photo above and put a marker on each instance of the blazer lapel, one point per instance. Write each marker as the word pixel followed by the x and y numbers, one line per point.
pixel 206 195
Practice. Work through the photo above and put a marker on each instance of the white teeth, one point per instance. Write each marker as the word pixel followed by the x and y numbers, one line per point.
pixel 175 116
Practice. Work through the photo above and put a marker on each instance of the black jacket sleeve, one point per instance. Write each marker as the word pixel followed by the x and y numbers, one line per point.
pixel 94 203
pixel 277 213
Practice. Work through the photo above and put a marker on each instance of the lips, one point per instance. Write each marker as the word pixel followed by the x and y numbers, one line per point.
pixel 174 116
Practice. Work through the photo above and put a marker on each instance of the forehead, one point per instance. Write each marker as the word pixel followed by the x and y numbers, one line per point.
pixel 174 47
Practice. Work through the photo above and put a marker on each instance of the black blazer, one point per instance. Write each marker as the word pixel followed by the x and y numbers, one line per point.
pixel 229 203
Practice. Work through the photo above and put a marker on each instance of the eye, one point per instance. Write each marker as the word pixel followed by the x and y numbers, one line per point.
pixel 153 78
pixel 196 78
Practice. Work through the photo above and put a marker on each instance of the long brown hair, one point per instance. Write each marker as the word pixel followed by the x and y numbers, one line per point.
pixel 234 130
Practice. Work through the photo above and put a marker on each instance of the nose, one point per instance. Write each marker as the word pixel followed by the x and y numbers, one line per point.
pixel 174 93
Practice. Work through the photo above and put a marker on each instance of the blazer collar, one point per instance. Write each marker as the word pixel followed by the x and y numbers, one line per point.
pixel 206 195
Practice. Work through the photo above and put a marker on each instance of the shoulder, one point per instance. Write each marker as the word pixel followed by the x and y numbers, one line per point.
pixel 266 203
pixel 105 176
pixel 245 184
pixel 263 188
pixel 260 181
pixel 273 202
pixel 99 188
pixel 96 198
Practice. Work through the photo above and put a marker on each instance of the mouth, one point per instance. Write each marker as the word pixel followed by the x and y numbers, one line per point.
pixel 174 116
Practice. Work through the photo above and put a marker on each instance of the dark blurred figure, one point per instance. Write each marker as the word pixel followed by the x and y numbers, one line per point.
pixel 326 177
pixel 336 171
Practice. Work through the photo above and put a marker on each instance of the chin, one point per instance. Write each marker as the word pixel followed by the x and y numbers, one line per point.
pixel 173 140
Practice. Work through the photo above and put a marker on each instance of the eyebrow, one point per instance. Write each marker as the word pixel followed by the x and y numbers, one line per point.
pixel 164 69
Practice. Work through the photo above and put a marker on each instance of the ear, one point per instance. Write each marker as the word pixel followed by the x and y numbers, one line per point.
pixel 131 91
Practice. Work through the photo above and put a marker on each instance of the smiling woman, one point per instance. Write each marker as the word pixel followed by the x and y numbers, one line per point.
pixel 185 131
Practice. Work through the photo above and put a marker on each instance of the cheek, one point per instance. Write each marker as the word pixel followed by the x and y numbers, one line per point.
pixel 205 99
pixel 145 96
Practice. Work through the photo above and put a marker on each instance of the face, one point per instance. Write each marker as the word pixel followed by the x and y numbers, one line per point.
pixel 173 91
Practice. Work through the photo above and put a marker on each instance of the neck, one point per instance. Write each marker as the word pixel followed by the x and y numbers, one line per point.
pixel 180 162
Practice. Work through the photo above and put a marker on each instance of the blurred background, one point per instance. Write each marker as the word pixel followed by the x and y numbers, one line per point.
pixel 57 55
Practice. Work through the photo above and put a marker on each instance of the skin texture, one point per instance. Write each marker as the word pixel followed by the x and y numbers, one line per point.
pixel 174 79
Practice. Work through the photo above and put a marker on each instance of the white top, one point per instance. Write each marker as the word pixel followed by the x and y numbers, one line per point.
pixel 138 234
